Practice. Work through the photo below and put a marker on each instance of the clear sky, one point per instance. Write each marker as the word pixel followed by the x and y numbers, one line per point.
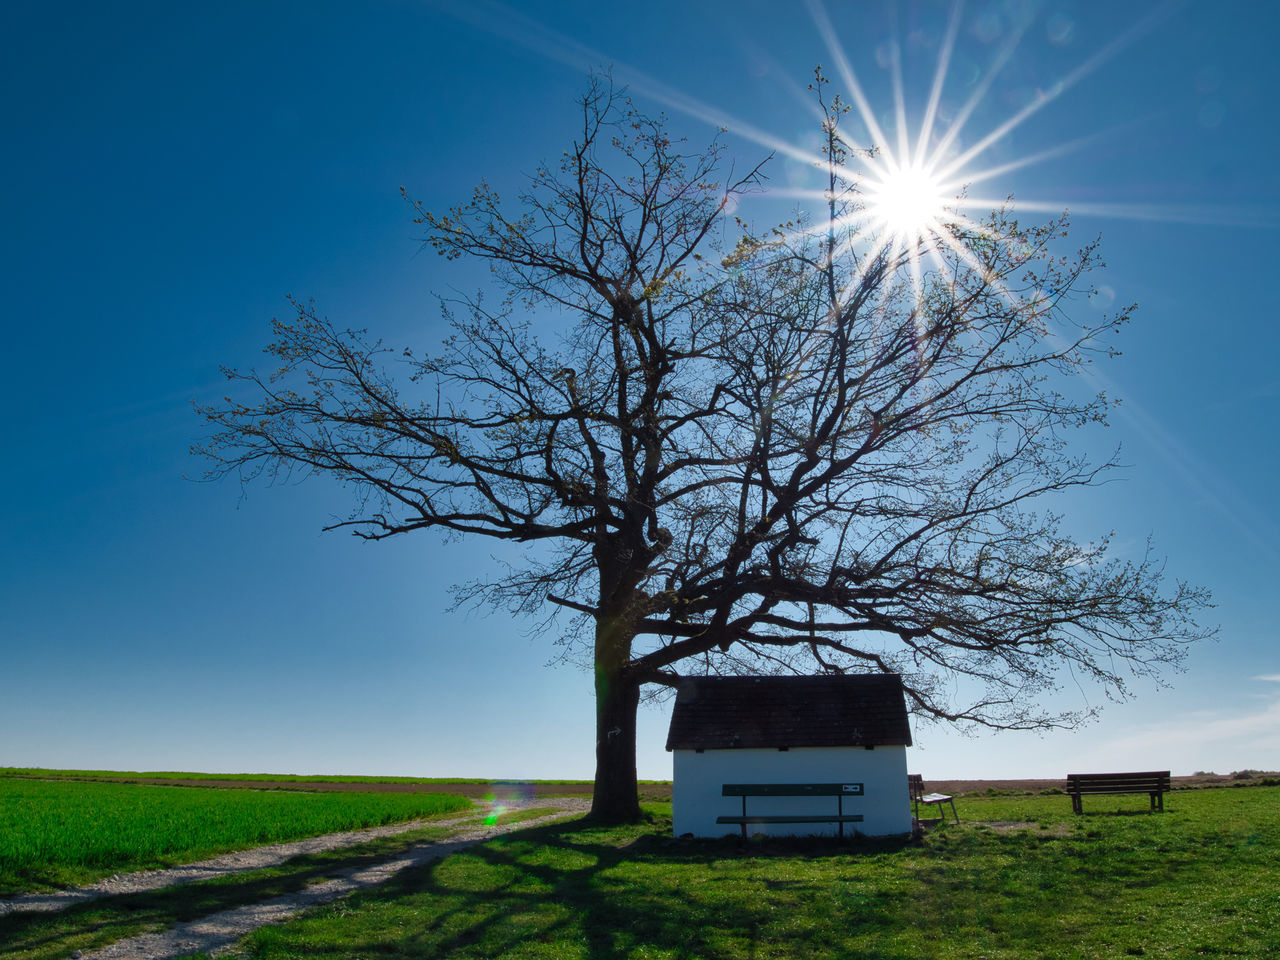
pixel 172 171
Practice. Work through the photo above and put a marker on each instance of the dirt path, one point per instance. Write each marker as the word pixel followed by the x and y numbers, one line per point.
pixel 218 933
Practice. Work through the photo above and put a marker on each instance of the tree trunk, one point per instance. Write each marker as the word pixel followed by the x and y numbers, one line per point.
pixel 616 799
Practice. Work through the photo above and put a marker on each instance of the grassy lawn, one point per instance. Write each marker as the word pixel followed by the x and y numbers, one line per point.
pixel 1203 879
pixel 57 834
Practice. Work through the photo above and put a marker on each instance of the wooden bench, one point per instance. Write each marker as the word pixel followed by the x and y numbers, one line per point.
pixel 916 783
pixel 1154 783
pixel 837 790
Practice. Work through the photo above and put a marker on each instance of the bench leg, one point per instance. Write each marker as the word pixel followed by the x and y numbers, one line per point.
pixel 942 814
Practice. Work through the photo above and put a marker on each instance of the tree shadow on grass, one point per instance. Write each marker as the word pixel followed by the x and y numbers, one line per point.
pixel 571 889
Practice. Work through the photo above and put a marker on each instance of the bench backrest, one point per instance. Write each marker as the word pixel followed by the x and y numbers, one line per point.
pixel 915 782
pixel 1148 780
pixel 791 790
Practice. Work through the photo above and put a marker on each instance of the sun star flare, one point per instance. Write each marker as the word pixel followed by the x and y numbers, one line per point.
pixel 908 202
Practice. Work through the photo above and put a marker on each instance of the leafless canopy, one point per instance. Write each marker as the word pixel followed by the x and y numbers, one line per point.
pixel 734 452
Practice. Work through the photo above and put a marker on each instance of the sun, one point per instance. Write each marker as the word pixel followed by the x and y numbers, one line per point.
pixel 907 201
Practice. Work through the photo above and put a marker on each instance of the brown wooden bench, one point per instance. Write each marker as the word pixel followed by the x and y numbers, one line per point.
pixel 837 790
pixel 1154 783
pixel 916 782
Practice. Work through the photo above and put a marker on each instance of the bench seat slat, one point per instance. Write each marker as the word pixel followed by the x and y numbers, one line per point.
pixel 1117 788
pixel 797 818
pixel 1137 775
pixel 791 790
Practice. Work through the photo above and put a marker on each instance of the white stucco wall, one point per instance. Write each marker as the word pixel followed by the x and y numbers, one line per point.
pixel 698 778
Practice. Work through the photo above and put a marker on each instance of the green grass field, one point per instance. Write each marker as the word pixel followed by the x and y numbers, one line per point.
pixel 1200 880
pixel 62 833
pixel 45 774
pixel 1021 877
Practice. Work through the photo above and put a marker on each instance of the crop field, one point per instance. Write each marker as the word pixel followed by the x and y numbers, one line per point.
pixel 1021 879
pixel 48 774
pixel 475 787
pixel 62 833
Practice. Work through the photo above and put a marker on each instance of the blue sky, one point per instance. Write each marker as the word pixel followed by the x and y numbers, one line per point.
pixel 173 172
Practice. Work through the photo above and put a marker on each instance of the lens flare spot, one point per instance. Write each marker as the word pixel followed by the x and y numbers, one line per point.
pixel 1059 29
pixel 497 810
pixel 1102 297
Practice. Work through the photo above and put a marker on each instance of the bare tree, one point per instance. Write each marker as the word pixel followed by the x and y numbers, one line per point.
pixel 738 453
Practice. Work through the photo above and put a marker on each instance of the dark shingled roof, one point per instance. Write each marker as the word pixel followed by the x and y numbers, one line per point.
pixel 863 710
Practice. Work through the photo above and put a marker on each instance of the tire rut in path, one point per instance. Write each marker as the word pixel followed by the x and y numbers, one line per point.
pixel 218 933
